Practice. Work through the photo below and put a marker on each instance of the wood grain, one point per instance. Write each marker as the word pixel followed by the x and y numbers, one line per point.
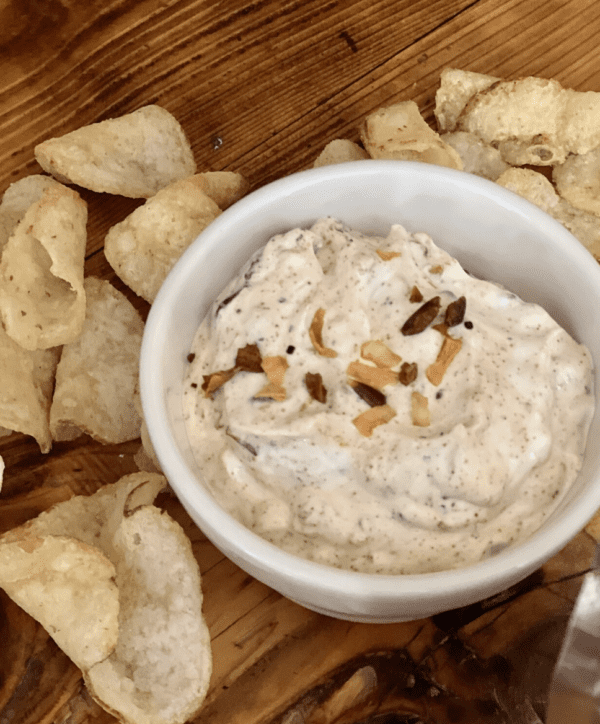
pixel 260 87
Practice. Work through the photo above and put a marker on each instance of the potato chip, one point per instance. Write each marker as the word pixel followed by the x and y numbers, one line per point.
pixel 400 132
pixel 69 587
pixel 578 181
pixel 340 150
pixel 96 378
pixel 42 300
pixel 93 519
pixel 477 157
pixel 26 389
pixel 143 248
pixel 223 187
pixel 533 120
pixel 456 88
pixel 134 155
pixel 1 471
pixel 17 198
pixel 536 188
pixel 145 458
pixel 160 669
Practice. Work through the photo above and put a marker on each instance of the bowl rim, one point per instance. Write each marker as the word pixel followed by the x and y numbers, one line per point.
pixel 538 548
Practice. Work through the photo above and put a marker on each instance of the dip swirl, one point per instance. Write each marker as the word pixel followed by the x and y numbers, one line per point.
pixel 366 403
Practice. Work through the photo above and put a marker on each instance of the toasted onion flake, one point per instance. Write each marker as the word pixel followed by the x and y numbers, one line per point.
pixel 315 333
pixel 368 420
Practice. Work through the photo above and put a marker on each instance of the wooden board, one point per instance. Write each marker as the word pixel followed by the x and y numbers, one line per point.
pixel 260 87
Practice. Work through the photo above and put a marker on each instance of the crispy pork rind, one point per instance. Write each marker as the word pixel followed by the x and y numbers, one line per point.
pixel 42 300
pixel 456 88
pixel 400 132
pixel 536 188
pixel 96 378
pixel 159 670
pixel 477 157
pixel 69 587
pixel 340 150
pixel 143 248
pixel 223 187
pixel 134 155
pixel 27 382
pixel 578 181
pixel 17 198
pixel 534 120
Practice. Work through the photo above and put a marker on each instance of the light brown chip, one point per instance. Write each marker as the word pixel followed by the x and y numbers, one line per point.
pixel 419 410
pixel 17 198
pixel 96 378
pixel 455 89
pixel 143 248
pixel 93 519
pixel 578 181
pixel 223 187
pixel 532 186
pixel 376 377
pixel 69 587
pixel 379 353
pixel 160 667
pixel 274 368
pixel 368 420
pixel 315 333
pixel 340 150
pixel 1 471
pixel 536 188
pixel 134 155
pixel 408 373
pixel 145 458
pixel 451 346
pixel 387 255
pixel 215 380
pixel 534 120
pixel 400 132
pixel 42 300
pixel 422 318
pixel 27 382
pixel 478 157
pixel 316 388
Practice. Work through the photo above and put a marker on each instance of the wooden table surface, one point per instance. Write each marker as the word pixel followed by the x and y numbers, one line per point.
pixel 260 86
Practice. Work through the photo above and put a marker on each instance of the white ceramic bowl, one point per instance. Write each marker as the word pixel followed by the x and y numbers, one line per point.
pixel 496 235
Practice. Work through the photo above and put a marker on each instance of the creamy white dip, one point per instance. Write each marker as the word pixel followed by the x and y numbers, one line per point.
pixel 508 419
